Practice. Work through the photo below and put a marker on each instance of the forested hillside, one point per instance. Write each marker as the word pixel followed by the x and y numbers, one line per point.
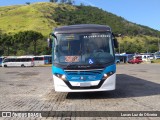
pixel 41 18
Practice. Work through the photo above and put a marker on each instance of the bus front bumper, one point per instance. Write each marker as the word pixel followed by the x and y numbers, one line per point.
pixel 108 85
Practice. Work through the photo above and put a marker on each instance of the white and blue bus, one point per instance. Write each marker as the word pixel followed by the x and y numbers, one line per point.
pixel 42 60
pixel 83 58
pixel 47 59
pixel 21 61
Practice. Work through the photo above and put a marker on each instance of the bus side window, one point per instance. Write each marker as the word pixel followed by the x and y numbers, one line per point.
pixel 18 60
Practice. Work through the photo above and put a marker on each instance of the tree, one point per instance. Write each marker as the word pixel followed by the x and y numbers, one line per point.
pixel 22 40
pixel 82 4
pixel 1 45
pixel 63 1
pixel 53 0
pixel 25 39
pixel 34 36
pixel 19 42
pixel 6 40
pixel 70 2
pixel 28 3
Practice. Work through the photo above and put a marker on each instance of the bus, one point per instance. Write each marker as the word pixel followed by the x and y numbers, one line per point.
pixel 156 55
pixel 47 59
pixel 22 61
pixel 123 58
pixel 117 59
pixel 83 58
pixel 39 60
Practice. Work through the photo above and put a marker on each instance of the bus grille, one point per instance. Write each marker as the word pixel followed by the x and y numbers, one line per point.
pixel 84 72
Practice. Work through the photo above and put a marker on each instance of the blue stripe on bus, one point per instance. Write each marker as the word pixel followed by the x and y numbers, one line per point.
pixel 57 70
pixel 110 68
pixel 90 76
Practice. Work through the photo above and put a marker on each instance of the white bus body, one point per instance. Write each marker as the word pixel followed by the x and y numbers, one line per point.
pixel 39 60
pixel 23 61
pixel 147 57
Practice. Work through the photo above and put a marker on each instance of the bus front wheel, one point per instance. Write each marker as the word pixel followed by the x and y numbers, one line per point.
pixel 22 65
pixel 5 65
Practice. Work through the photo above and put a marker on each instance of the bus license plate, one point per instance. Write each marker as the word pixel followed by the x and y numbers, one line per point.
pixel 85 84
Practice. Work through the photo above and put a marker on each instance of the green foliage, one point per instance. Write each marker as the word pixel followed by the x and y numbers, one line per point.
pixel 53 0
pixel 6 42
pixel 63 1
pixel 22 18
pixel 27 37
pixel 28 3
pixel 20 52
pixel 138 44
pixel 23 43
pixel 156 61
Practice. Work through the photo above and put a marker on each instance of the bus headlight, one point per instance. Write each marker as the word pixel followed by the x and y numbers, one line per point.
pixel 61 76
pixel 106 75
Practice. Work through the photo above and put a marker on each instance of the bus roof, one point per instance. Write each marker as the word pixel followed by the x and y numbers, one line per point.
pixel 82 28
pixel 25 56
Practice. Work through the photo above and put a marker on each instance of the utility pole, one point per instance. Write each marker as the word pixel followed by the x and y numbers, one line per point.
pixel 120 35
pixel 119 48
pixel 158 44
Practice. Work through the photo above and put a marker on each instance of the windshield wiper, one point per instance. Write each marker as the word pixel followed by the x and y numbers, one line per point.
pixel 71 65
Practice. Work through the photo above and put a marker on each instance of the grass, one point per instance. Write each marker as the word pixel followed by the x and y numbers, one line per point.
pixel 28 17
pixel 23 18
pixel 46 65
pixel 156 61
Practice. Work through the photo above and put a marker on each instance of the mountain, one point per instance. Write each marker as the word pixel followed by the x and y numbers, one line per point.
pixel 43 17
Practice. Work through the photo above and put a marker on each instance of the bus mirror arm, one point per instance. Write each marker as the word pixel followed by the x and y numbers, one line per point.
pixel 53 35
pixel 50 40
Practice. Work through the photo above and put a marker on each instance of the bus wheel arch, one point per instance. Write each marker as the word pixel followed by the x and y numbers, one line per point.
pixel 22 65
pixel 118 62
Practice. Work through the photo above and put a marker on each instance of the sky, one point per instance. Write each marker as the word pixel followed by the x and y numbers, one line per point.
pixel 143 12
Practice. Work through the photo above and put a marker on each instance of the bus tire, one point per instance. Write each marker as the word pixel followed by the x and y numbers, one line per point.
pixel 22 65
pixel 5 65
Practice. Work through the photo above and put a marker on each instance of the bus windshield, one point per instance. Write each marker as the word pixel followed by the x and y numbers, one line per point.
pixel 90 49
